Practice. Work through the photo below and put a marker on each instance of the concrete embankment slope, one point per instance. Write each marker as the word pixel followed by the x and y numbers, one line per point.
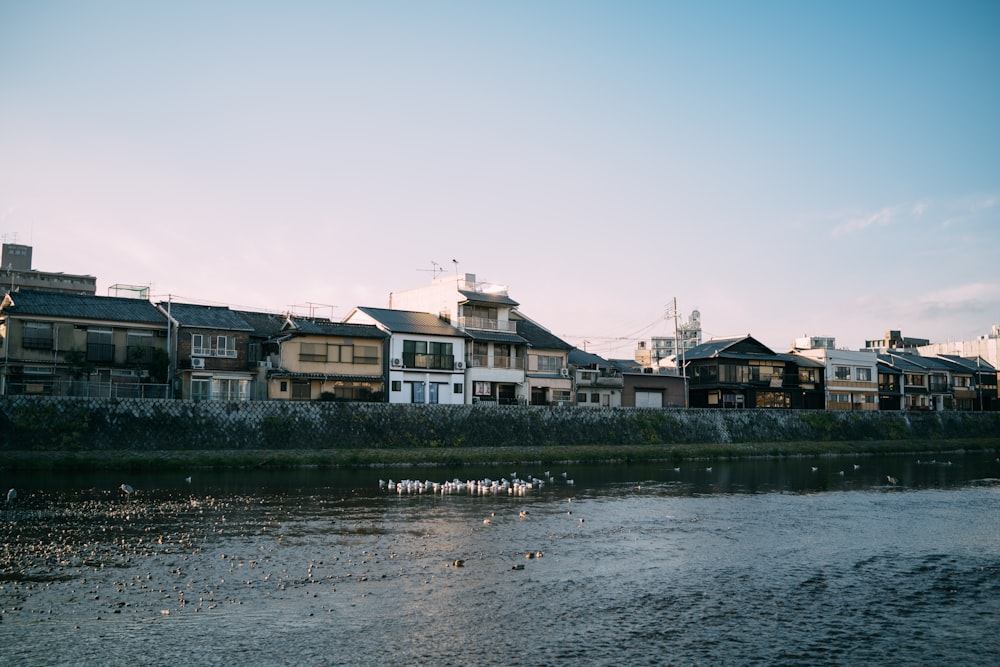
pixel 43 424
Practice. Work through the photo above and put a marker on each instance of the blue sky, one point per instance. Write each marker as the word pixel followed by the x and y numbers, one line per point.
pixel 787 168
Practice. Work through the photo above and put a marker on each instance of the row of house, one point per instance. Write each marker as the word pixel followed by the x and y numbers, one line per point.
pixel 455 341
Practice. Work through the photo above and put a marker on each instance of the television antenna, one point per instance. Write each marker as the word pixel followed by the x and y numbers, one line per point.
pixel 435 269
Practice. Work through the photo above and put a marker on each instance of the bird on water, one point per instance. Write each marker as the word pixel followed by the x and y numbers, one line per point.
pixel 127 489
pixel 11 495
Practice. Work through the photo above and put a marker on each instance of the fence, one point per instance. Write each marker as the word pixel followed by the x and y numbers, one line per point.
pixel 85 389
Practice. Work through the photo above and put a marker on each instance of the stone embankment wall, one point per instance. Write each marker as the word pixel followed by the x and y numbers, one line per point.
pixel 41 423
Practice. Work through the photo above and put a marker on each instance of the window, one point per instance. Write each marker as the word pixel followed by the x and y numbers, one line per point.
pixel 581 397
pixel 773 399
pixel 863 374
pixel 231 389
pixel 417 393
pixel 431 355
pixel 458 388
pixel 283 386
pixel 549 364
pixel 99 345
pixel 365 354
pixel 842 372
pixel 562 395
pixel 938 382
pixel 37 336
pixel 225 346
pixel 501 355
pixel 312 352
pixel 201 389
pixel 807 375
pixel 915 380
pixel 432 394
pixel 201 345
pixel 139 346
pixel 840 398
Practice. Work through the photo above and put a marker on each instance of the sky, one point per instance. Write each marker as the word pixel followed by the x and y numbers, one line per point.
pixel 785 168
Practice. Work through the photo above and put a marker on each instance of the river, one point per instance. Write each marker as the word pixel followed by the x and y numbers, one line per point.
pixel 798 561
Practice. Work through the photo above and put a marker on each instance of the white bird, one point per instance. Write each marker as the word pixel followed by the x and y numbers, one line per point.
pixel 815 468
pixel 857 466
pixel 892 480
pixel 188 479
pixel 11 495
pixel 127 489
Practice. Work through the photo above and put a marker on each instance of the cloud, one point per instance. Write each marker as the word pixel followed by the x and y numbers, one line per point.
pixel 856 224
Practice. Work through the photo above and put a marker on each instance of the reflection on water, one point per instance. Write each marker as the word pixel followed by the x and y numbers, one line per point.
pixel 771 562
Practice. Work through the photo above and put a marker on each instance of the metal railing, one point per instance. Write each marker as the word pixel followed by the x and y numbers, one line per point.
pixel 85 389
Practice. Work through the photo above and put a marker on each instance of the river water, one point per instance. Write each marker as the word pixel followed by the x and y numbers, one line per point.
pixel 778 562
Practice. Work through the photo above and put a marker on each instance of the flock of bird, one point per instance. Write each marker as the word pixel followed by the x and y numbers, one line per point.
pixel 515 486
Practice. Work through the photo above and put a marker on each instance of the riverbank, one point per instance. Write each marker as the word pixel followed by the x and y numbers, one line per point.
pixel 57 460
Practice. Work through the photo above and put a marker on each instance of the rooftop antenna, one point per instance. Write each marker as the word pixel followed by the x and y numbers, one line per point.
pixel 434 270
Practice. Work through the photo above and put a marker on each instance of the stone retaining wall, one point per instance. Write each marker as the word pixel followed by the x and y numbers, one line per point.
pixel 46 423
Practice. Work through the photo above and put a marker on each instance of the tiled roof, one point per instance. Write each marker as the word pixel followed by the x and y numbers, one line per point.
pixel 84 307
pixel 329 328
pixel 970 364
pixel 579 357
pixel 496 337
pixel 743 347
pixel 207 317
pixel 539 337
pixel 408 321
pixel 263 324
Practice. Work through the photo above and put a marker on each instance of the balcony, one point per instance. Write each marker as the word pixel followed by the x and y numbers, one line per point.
pixel 485 361
pixel 212 352
pixel 485 324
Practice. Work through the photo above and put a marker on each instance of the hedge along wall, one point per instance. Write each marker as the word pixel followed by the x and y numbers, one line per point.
pixel 45 423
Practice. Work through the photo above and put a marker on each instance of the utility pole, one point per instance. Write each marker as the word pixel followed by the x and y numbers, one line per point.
pixel 680 344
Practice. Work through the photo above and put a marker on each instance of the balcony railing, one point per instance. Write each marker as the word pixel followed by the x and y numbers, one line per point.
pixel 440 362
pixel 212 352
pixel 486 324
pixel 485 361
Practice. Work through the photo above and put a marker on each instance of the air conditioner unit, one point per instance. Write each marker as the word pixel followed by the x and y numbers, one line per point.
pixel 197 362
pixel 264 364
pixel 397 362
pixel 564 372
pixel 459 365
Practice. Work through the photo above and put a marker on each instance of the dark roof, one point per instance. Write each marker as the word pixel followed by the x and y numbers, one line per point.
pixel 970 364
pixel 206 317
pixel 540 337
pixel 483 297
pixel 901 363
pixel 578 357
pixel 263 324
pixel 409 321
pixel 321 327
pixel 496 337
pixel 744 347
pixel 84 307
pixel 800 360
pixel 626 365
